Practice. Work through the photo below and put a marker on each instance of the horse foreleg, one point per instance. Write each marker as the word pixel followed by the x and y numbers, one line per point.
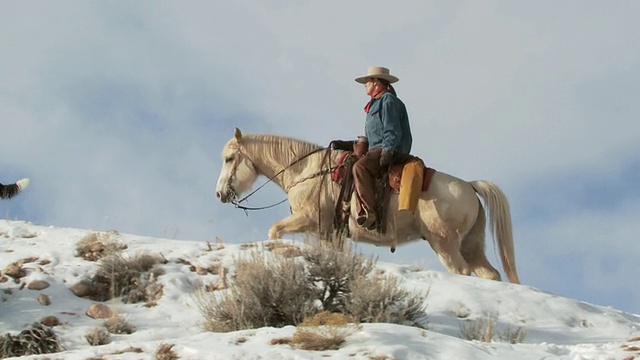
pixel 296 223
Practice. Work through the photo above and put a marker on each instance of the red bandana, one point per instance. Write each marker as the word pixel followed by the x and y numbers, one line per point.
pixel 375 93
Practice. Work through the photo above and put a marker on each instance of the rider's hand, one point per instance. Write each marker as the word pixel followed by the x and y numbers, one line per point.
pixel 385 158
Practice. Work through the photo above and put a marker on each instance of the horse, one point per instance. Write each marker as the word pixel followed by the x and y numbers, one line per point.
pixel 10 190
pixel 449 215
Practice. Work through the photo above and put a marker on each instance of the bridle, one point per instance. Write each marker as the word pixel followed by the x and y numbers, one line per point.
pixel 236 164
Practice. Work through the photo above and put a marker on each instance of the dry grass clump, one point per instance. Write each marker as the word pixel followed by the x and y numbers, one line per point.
pixel 324 331
pixel 134 278
pixel 98 336
pixel 485 329
pixel 165 352
pixel 117 324
pixel 271 290
pixel 95 246
pixel 39 339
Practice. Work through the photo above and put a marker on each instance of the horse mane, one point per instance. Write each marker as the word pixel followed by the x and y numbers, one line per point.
pixel 277 149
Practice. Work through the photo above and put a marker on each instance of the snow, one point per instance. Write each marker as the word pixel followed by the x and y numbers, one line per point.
pixel 556 327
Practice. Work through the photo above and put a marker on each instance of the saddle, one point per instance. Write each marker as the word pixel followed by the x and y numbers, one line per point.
pixel 387 183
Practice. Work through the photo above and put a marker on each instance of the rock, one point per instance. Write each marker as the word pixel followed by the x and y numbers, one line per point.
pixel 15 271
pixel 50 321
pixel 99 311
pixel 45 262
pixel 83 289
pixel 43 299
pixel 38 285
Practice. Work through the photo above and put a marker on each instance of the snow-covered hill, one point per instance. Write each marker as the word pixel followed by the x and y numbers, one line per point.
pixel 556 327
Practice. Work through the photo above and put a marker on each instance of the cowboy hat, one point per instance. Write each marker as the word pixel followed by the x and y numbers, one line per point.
pixel 377 72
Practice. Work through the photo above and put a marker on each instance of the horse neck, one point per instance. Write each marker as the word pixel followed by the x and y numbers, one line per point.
pixel 272 154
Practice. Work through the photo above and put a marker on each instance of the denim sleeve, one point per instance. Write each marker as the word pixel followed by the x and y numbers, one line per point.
pixel 391 128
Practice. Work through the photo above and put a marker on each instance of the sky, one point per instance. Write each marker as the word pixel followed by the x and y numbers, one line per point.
pixel 118 112
pixel 551 326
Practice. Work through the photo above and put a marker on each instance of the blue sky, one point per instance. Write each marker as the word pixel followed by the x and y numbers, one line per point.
pixel 118 112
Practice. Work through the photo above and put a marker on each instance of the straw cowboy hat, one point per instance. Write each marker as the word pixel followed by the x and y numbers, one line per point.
pixel 378 72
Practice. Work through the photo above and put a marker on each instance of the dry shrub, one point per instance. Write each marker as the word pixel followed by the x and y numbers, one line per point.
pixel 267 291
pixel 481 329
pixel 381 299
pixel 485 329
pixel 165 352
pixel 95 246
pixel 513 335
pixel 334 271
pixel 347 286
pixel 324 331
pixel 134 279
pixel 117 324
pixel 98 336
pixel 39 339
pixel 271 290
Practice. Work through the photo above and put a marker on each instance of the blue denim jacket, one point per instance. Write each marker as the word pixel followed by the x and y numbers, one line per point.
pixel 387 125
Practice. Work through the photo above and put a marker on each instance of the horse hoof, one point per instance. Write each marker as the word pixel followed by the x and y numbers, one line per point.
pixel 393 249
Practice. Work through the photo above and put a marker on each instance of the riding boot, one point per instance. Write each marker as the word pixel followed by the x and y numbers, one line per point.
pixel 365 171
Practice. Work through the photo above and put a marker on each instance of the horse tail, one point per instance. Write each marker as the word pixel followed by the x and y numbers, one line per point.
pixel 497 207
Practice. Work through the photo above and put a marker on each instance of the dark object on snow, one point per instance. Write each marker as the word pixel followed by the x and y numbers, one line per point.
pixel 11 190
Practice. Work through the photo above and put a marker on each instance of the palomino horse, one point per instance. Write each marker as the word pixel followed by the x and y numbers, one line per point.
pixel 449 215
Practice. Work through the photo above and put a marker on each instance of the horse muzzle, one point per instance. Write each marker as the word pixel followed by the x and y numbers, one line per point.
pixel 226 196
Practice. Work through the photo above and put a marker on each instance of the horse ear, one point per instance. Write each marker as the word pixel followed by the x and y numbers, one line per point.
pixel 237 134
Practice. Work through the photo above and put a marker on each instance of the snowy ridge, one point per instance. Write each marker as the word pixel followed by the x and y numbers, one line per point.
pixel 556 327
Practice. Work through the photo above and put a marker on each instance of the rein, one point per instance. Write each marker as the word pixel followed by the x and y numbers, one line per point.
pixel 237 203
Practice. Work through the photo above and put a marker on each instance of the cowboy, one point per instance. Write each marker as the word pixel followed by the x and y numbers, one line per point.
pixel 389 135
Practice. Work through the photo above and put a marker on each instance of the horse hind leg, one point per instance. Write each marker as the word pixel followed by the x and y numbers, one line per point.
pixel 472 249
pixel 447 247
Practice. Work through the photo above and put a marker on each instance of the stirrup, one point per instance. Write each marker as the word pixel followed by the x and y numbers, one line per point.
pixel 367 220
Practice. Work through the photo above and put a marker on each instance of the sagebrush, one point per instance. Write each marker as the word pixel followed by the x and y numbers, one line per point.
pixel 272 290
pixel 265 293
pixel 131 278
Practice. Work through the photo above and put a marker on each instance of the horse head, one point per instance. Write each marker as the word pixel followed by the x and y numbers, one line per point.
pixel 238 172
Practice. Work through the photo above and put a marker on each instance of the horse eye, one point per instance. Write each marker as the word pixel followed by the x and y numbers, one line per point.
pixel 228 160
